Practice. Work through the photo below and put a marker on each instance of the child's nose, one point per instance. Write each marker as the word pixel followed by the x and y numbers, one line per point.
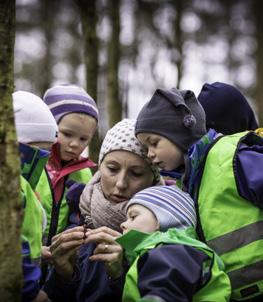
pixel 74 143
pixel 150 153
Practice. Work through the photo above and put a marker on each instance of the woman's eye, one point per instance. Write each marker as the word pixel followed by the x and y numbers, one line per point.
pixel 112 169
pixel 137 174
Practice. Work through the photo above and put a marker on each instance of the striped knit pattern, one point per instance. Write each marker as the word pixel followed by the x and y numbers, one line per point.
pixel 65 99
pixel 171 206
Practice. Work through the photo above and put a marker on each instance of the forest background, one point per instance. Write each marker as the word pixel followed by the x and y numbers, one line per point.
pixel 120 51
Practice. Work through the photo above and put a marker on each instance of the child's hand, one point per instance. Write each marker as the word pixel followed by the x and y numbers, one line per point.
pixel 107 249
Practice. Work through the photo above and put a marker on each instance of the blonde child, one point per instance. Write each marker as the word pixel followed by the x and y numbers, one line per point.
pixel 76 114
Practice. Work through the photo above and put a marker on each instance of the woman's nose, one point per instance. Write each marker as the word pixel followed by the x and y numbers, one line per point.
pixel 122 182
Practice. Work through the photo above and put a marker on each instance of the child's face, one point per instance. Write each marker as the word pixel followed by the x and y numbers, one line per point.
pixel 75 131
pixel 162 152
pixel 141 219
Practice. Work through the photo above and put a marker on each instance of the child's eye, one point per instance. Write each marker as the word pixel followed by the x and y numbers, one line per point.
pixel 132 217
pixel 66 134
pixel 153 143
pixel 84 139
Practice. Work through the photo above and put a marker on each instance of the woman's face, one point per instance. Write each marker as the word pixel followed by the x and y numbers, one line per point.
pixel 123 174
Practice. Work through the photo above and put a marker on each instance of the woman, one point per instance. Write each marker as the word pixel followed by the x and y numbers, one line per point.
pixel 123 171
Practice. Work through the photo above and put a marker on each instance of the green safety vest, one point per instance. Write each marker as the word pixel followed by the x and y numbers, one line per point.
pixel 216 289
pixel 32 225
pixel 57 213
pixel 231 225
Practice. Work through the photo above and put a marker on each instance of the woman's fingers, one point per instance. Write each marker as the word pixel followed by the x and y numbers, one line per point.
pixel 68 239
pixel 105 230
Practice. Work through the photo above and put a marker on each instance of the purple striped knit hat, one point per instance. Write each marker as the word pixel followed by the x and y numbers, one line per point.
pixel 65 99
pixel 172 207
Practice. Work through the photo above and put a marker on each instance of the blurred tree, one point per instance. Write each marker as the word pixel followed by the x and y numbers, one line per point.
pixel 114 103
pixel 89 25
pixel 258 8
pixel 10 199
pixel 48 12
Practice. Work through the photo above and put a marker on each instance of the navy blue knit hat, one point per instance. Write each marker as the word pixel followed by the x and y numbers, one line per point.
pixel 174 114
pixel 65 99
pixel 171 206
pixel 227 110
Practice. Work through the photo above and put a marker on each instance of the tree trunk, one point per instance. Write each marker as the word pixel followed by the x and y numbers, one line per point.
pixel 89 23
pixel 10 198
pixel 114 104
pixel 258 7
pixel 178 39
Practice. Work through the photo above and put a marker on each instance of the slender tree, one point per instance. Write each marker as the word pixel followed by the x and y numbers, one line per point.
pixel 114 103
pixel 89 23
pixel 10 199
pixel 258 5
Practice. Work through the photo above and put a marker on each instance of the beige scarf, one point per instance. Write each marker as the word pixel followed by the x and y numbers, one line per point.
pixel 97 210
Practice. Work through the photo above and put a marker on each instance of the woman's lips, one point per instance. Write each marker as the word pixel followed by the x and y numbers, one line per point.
pixel 118 198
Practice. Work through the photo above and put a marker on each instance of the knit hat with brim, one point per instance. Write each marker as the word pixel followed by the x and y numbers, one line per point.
pixel 226 108
pixel 121 137
pixel 65 99
pixel 174 114
pixel 171 206
pixel 34 121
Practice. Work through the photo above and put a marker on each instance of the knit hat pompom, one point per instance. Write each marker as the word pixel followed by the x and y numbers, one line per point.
pixel 226 108
pixel 121 137
pixel 33 119
pixel 174 114
pixel 171 206
pixel 65 99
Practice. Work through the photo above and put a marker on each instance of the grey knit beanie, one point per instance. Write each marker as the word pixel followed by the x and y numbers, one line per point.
pixel 171 206
pixel 121 137
pixel 174 114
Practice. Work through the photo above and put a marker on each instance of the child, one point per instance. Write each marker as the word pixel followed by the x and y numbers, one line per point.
pixel 218 175
pixel 76 114
pixel 36 128
pixel 166 261
pixel 226 109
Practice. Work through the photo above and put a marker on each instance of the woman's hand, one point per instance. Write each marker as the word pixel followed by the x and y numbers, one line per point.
pixel 46 255
pixel 107 249
pixel 64 249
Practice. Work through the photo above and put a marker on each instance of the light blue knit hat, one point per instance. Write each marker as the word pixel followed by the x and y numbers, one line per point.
pixel 171 206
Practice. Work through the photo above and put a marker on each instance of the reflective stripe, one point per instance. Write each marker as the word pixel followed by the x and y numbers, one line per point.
pixel 237 238
pixel 246 275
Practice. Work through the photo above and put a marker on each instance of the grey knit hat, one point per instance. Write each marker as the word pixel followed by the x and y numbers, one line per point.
pixel 171 206
pixel 121 137
pixel 174 114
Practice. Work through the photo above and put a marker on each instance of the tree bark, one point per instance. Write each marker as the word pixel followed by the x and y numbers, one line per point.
pixel 89 23
pixel 10 198
pixel 258 7
pixel 114 103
